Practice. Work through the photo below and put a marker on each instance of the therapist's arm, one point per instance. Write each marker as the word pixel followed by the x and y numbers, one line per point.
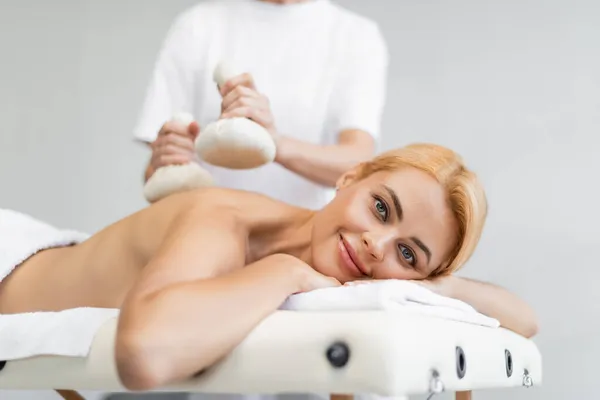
pixel 324 164
pixel 356 110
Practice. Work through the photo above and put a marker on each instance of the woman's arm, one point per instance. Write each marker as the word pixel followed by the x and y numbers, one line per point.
pixel 182 329
pixel 185 314
pixel 494 301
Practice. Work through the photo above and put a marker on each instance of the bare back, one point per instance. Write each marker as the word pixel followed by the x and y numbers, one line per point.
pixel 100 271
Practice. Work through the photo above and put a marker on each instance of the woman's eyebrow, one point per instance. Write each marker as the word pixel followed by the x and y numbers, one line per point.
pixel 399 213
pixel 395 200
pixel 423 247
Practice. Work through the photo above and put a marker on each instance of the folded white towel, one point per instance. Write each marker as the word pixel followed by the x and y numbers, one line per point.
pixel 63 333
pixel 22 236
pixel 387 295
pixel 68 333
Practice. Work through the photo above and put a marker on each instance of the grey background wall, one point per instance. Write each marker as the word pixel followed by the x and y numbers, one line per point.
pixel 513 85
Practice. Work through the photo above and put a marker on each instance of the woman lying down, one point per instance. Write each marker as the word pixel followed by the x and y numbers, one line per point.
pixel 194 273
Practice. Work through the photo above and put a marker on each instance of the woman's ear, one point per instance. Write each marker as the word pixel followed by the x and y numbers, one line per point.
pixel 348 177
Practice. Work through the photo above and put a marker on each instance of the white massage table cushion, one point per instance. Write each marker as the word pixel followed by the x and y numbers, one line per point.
pixel 387 353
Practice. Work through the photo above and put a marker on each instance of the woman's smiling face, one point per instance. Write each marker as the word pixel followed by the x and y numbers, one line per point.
pixel 389 225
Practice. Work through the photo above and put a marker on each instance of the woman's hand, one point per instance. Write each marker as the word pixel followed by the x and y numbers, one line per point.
pixel 313 280
pixel 241 99
pixel 304 276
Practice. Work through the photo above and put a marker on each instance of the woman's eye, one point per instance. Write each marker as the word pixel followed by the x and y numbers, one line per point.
pixel 381 209
pixel 408 255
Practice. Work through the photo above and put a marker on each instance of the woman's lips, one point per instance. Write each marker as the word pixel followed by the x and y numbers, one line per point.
pixel 349 258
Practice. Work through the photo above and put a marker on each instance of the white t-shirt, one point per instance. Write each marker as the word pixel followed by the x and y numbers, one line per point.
pixel 323 68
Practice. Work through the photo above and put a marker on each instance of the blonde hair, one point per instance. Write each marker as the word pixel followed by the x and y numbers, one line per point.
pixel 466 195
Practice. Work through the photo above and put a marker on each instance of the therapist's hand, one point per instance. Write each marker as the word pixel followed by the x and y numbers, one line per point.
pixel 242 99
pixel 174 144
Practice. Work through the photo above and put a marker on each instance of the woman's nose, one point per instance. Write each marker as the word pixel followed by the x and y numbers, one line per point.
pixel 373 246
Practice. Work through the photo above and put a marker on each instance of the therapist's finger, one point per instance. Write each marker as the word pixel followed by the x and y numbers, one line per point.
pixel 243 102
pixel 164 160
pixel 236 94
pixel 239 80
pixel 182 142
pixel 185 142
pixel 247 112
pixel 178 128
pixel 172 150
pixel 173 127
pixel 194 129
pixel 257 115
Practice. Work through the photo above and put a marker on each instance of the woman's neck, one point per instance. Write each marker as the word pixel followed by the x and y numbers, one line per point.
pixel 288 235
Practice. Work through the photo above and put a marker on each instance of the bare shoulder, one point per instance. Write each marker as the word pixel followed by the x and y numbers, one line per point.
pixel 243 210
pixel 206 201
pixel 243 207
pixel 209 232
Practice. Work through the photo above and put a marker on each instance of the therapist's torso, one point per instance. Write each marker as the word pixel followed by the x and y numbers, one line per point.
pixel 295 54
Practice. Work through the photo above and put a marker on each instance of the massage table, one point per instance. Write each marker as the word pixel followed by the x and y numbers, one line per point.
pixel 341 353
